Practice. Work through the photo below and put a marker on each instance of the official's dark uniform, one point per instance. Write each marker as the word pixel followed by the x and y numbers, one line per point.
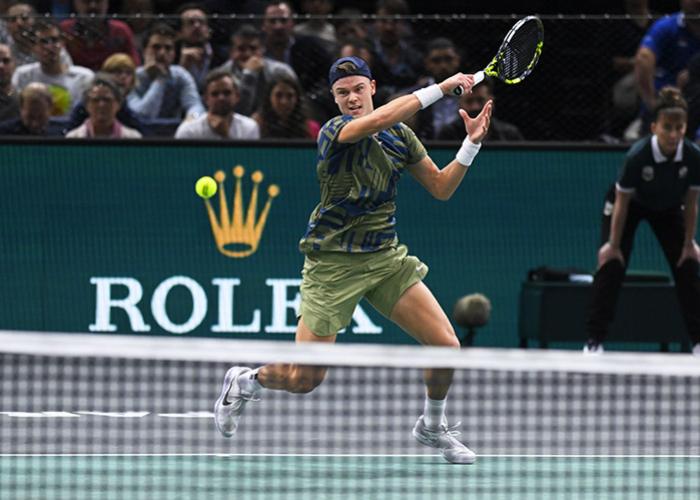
pixel 658 186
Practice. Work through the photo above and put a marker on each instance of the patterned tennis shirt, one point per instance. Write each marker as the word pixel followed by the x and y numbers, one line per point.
pixel 358 184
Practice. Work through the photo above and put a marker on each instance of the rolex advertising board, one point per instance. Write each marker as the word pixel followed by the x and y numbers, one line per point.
pixel 109 238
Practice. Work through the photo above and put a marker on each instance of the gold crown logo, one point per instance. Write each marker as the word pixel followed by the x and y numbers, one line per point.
pixel 238 234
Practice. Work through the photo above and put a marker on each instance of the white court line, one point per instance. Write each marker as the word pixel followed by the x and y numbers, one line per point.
pixel 322 455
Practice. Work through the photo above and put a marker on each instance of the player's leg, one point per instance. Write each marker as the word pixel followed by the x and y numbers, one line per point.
pixel 291 377
pixel 418 313
pixel 609 277
pixel 669 229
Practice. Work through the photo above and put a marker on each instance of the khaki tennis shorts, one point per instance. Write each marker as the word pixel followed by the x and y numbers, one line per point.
pixel 334 283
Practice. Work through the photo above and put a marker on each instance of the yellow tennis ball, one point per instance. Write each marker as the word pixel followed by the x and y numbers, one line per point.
pixel 205 187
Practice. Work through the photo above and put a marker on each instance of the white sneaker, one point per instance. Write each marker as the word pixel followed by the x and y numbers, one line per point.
pixel 593 349
pixel 444 439
pixel 231 402
pixel 696 349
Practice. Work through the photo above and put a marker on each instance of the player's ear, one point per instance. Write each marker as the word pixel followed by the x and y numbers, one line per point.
pixel 373 85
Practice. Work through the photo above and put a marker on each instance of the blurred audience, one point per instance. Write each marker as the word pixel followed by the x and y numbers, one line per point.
pixel 349 25
pixel 318 24
pixel 220 122
pixel 9 104
pixel 92 37
pixel 393 46
pixel 122 70
pixel 473 103
pixel 252 69
pixel 139 24
pixel 283 114
pixel 441 61
pixel 663 55
pixel 164 89
pixel 306 55
pixel 66 82
pixel 103 99
pixel 20 34
pixel 196 53
pixel 35 104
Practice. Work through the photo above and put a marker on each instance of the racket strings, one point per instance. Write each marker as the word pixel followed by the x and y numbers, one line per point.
pixel 520 51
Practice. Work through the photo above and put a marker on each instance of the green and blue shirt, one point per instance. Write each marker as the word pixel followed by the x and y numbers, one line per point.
pixel 358 184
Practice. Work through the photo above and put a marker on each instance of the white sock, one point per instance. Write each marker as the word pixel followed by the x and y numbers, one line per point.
pixel 433 412
pixel 249 383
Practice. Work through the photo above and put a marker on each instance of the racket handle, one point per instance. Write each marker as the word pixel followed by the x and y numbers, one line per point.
pixel 478 78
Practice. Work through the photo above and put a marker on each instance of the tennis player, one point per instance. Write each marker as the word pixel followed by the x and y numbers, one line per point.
pixel 659 183
pixel 351 246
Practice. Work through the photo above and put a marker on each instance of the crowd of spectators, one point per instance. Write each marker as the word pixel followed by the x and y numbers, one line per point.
pixel 192 72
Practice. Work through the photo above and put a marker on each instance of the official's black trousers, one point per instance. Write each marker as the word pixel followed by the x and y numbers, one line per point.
pixel 668 227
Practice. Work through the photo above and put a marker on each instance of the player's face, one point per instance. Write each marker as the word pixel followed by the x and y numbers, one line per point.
pixel 669 127
pixel 353 95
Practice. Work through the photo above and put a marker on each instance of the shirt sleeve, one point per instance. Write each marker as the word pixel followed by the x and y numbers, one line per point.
pixel 657 35
pixel 416 150
pixel 189 95
pixel 328 144
pixel 629 176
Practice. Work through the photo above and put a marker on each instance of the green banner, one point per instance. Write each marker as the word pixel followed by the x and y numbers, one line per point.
pixel 113 239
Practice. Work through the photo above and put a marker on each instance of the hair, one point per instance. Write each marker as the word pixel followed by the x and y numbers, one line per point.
pixel 28 3
pixel 670 100
pixel 347 68
pixel 34 91
pixel 103 79
pixel 271 126
pixel 218 74
pixel 272 3
pixel 46 24
pixel 393 7
pixel 118 61
pixel 191 6
pixel 246 31
pixel 440 43
pixel 161 29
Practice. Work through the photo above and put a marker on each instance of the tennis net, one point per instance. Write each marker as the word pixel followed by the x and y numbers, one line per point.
pixel 87 416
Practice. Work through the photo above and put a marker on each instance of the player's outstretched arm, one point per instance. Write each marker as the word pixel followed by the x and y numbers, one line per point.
pixel 402 108
pixel 443 183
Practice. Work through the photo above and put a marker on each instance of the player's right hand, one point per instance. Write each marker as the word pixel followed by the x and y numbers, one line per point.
pixel 607 253
pixel 458 80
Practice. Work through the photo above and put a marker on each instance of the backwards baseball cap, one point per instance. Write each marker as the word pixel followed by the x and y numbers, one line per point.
pixel 336 73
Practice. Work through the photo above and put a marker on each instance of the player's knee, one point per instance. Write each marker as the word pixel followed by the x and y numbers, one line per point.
pixel 446 337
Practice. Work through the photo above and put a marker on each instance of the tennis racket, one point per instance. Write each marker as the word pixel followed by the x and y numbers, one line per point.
pixel 517 55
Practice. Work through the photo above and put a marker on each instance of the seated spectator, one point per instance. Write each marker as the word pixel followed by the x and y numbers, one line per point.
pixel 123 72
pixel 102 101
pixel 66 83
pixel 220 122
pixel 20 34
pixel 9 105
pixel 282 114
pixel 252 69
pixel 472 104
pixel 164 89
pixel 138 24
pixel 196 53
pixel 393 48
pixel 349 25
pixel 306 55
pixel 92 37
pixel 441 61
pixel 318 25
pixel 35 103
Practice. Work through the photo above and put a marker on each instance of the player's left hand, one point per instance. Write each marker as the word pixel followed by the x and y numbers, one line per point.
pixel 691 251
pixel 478 127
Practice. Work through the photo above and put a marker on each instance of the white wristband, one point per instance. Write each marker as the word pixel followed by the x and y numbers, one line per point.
pixel 429 95
pixel 465 155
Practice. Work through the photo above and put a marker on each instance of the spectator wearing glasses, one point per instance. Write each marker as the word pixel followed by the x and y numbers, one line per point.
pixel 196 53
pixel 103 99
pixel 65 82
pixel 91 38
pixel 19 34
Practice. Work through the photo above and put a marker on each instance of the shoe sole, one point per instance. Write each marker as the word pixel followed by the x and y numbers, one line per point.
pixel 231 375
